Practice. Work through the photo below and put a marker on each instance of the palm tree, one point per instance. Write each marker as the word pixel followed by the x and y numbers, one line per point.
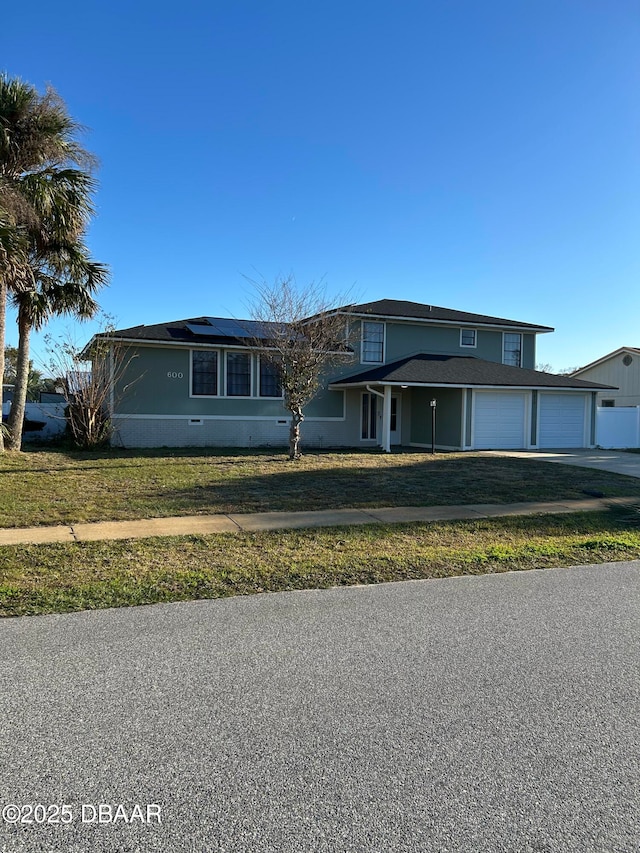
pixel 64 276
pixel 38 148
pixel 14 268
pixel 66 282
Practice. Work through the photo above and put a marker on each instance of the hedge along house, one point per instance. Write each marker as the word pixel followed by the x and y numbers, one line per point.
pixel 201 382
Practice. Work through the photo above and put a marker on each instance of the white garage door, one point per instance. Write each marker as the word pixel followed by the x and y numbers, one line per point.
pixel 562 420
pixel 499 420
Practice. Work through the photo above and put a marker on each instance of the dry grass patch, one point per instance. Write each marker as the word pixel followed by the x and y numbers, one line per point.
pixel 49 487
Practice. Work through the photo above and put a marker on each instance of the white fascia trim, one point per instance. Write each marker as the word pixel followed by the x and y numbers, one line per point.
pixel 561 389
pixel 198 346
pixel 181 344
pixel 386 317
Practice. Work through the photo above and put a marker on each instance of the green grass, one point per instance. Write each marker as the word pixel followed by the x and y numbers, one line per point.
pixel 58 578
pixel 42 486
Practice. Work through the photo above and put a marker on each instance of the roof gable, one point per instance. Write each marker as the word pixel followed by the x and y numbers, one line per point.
pixel 607 357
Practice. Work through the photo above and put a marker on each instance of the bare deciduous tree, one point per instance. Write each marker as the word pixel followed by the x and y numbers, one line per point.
pixel 301 334
pixel 88 379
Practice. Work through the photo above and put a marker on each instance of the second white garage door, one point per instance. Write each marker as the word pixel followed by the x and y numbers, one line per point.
pixel 562 420
pixel 499 420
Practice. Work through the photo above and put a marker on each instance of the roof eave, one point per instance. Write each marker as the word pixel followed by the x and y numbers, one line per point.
pixel 504 324
pixel 397 384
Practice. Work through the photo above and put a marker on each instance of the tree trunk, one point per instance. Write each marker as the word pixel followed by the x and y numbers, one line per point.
pixel 294 433
pixel 16 414
pixel 3 324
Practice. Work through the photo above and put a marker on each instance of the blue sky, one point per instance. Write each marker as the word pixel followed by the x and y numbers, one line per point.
pixel 474 154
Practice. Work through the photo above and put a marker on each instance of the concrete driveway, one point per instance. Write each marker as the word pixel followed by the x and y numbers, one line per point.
pixel 488 714
pixel 615 461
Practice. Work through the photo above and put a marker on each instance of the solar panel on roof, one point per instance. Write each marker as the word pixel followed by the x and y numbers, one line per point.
pixel 223 327
pixel 200 329
pixel 231 328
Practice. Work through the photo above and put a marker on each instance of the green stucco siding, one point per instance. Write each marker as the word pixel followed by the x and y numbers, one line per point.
pixel 404 338
pixel 157 382
pixel 529 351
pixel 448 416
pixel 468 419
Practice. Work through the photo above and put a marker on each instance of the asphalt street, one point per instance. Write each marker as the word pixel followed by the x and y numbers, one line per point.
pixel 495 713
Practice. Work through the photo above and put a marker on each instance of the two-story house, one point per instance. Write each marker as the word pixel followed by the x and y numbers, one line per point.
pixel 199 382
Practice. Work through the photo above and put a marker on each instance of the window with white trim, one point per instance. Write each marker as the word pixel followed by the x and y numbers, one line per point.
pixel 368 416
pixel 512 349
pixel 269 379
pixel 373 342
pixel 238 374
pixel 204 373
pixel 468 337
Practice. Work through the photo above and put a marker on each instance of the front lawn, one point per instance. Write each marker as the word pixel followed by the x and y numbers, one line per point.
pixel 43 486
pixel 89 575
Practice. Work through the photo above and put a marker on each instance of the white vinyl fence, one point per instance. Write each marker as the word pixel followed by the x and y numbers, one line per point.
pixel 618 427
pixel 50 414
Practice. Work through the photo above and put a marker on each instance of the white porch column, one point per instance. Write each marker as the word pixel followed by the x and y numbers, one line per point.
pixel 386 420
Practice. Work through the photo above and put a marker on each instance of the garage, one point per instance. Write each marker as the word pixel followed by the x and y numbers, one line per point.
pixel 562 420
pixel 499 420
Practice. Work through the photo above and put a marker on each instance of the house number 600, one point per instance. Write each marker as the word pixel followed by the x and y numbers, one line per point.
pixel 171 374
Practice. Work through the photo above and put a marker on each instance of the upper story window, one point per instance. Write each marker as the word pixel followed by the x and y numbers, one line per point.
pixel 512 349
pixel 373 342
pixel 238 374
pixel 468 338
pixel 269 380
pixel 204 373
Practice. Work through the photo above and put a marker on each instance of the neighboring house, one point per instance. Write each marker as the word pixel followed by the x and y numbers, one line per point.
pixel 199 382
pixel 620 368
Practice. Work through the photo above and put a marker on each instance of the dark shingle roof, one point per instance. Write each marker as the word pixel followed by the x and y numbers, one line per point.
pixel 418 311
pixel 461 371
pixel 178 331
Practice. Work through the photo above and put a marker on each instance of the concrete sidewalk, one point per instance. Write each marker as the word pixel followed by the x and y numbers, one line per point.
pixel 236 523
